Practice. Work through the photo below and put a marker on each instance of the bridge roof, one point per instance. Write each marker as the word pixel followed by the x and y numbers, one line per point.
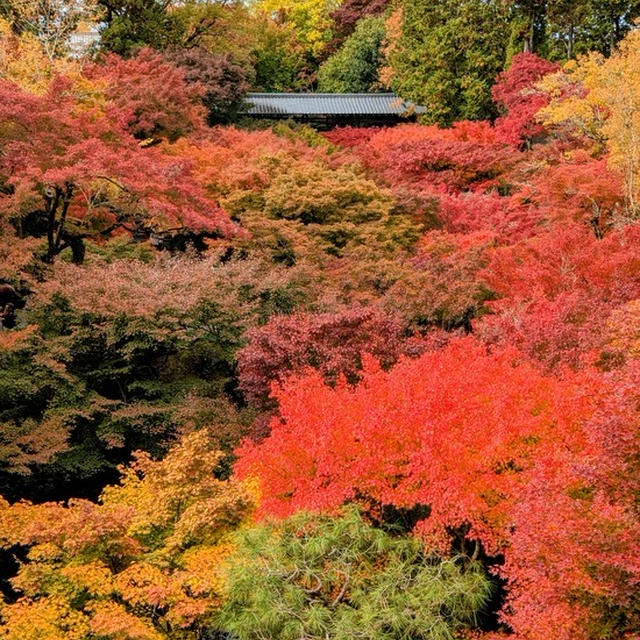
pixel 329 104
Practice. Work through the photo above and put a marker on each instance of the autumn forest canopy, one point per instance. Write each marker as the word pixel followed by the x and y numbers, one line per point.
pixel 264 382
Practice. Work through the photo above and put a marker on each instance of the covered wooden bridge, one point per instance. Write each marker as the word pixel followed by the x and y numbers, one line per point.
pixel 326 110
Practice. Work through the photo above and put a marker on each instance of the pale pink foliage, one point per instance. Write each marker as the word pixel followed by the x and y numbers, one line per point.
pixel 167 285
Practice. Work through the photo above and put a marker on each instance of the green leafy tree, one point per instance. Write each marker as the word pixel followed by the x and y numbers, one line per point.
pixel 354 68
pixel 132 24
pixel 278 57
pixel 35 401
pixel 319 577
pixel 447 56
pixel 607 22
pixel 220 26
pixel 566 20
pixel 124 355
pixel 528 29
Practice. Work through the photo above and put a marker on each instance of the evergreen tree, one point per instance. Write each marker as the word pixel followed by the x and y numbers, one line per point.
pixel 354 68
pixel 607 22
pixel 563 29
pixel 132 24
pixel 317 577
pixel 447 56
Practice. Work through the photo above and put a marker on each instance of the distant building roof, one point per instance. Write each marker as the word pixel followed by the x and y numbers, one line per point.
pixel 329 104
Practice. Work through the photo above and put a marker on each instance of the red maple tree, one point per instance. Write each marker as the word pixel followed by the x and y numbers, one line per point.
pixel 70 171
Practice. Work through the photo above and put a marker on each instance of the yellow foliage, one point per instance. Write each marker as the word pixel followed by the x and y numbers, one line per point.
pixel 600 98
pixel 92 577
pixel 64 582
pixel 52 21
pixel 204 573
pixel 24 62
pixel 570 105
pixel 147 558
pixel 26 524
pixel 112 620
pixel 143 585
pixel 310 19
pixel 43 619
pixel 45 552
pixel 180 492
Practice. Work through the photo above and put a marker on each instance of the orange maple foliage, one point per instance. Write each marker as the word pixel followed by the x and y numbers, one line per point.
pixel 146 560
pixel 456 430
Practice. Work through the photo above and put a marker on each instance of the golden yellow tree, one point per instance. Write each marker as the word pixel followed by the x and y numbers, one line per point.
pixel 600 98
pixel 310 19
pixel 145 563
pixel 24 61
pixel 51 21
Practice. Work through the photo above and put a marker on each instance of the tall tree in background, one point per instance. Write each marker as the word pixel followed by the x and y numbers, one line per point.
pixel 566 25
pixel 447 56
pixel 279 60
pixel 350 12
pixel 168 23
pixel 607 22
pixel 528 25
pixel 600 98
pixel 354 68
pixel 561 29
pixel 136 23
pixel 310 19
pixel 221 26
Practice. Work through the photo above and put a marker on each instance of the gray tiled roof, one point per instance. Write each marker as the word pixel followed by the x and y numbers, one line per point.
pixel 319 104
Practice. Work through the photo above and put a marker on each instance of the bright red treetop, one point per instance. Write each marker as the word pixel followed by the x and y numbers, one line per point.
pixel 542 470
pixel 456 430
pixel 150 95
pixel 556 291
pixel 516 92
pixel 469 156
pixel 573 564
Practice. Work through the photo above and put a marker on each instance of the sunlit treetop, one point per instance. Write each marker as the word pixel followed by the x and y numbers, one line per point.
pixel 600 98
pixel 310 19
pixel 145 562
pixel 24 61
